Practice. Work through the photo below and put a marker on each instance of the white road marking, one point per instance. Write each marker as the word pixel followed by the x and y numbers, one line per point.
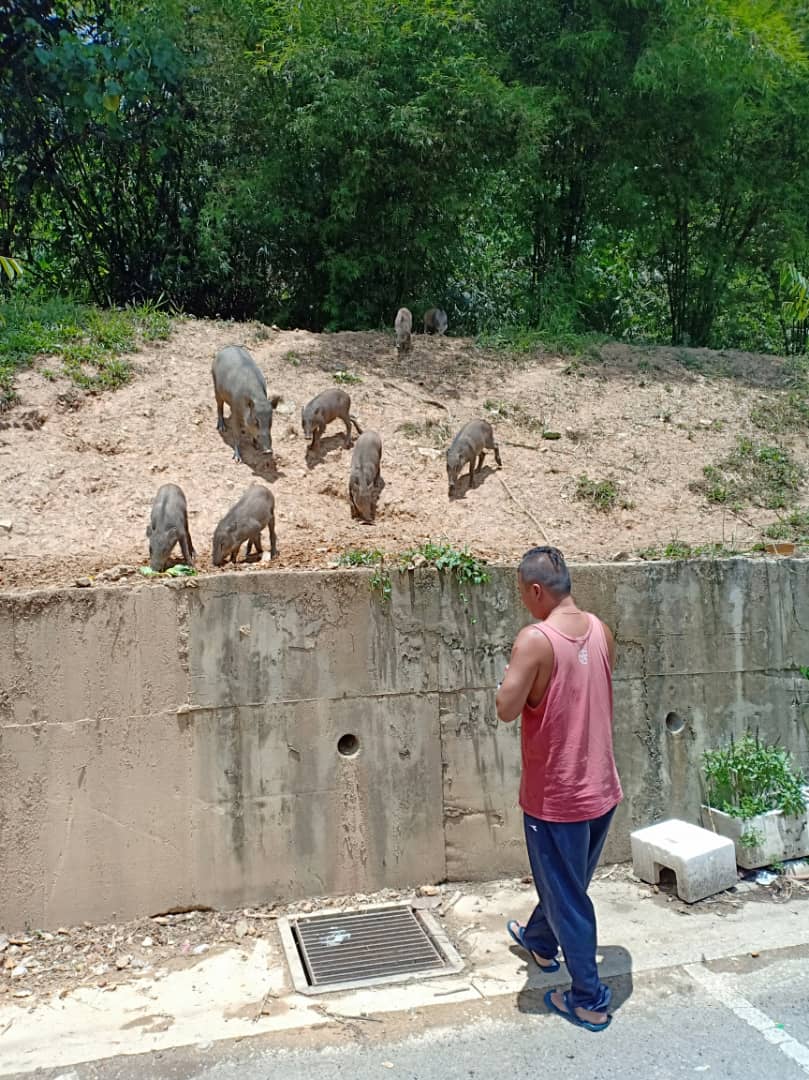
pixel 720 987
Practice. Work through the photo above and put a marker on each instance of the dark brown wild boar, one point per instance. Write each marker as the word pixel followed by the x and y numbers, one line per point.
pixel 321 410
pixel 254 511
pixel 169 526
pixel 238 381
pixel 403 326
pixel 470 444
pixel 365 480
pixel 435 321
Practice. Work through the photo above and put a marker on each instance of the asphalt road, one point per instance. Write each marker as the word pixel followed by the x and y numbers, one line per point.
pixel 740 1018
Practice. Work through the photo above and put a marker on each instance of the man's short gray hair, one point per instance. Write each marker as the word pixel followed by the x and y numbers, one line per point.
pixel 546 566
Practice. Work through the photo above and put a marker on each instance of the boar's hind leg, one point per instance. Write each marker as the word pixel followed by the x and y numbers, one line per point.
pixel 273 543
pixel 496 449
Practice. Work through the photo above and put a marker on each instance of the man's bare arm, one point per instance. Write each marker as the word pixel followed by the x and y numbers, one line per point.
pixel 530 652
pixel 610 645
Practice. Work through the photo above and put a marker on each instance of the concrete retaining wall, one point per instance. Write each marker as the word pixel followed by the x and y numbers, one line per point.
pixel 172 744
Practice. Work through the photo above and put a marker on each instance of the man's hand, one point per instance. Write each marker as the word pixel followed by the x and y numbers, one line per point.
pixel 531 660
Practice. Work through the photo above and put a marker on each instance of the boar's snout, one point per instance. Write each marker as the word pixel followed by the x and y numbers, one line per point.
pixel 160 546
pixel 364 505
pixel 264 427
pixel 220 548
pixel 452 475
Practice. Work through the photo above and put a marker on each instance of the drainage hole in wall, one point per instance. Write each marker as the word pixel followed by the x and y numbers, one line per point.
pixel 348 745
pixel 674 723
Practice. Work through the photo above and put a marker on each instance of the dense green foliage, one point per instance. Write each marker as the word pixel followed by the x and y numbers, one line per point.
pixel 749 777
pixel 85 341
pixel 635 168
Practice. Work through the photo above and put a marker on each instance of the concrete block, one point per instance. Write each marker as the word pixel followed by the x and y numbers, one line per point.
pixel 703 863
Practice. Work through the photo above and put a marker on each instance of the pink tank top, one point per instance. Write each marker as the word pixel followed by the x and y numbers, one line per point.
pixel 568 768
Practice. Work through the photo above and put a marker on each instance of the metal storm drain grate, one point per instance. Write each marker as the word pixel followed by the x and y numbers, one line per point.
pixel 344 949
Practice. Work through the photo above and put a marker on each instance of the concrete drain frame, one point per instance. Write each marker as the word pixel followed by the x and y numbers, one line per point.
pixel 329 950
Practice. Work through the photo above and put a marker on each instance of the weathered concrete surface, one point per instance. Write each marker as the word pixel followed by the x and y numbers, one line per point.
pixel 209 1001
pixel 164 744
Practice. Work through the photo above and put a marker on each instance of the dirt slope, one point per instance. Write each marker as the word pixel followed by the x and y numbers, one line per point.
pixel 77 490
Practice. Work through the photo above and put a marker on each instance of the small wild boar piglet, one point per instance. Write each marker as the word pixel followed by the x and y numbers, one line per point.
pixel 238 381
pixel 403 327
pixel 169 526
pixel 470 444
pixel 244 521
pixel 321 410
pixel 435 321
pixel 365 480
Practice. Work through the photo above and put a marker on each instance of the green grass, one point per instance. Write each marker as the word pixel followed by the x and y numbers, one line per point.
pixel 789 413
pixel 380 579
pixel 521 340
pixel 754 472
pixel 464 567
pixel 678 550
pixel 88 341
pixel 346 378
pixel 600 494
pixel 435 433
pixel 361 557
pixel 794 528
pixel 516 413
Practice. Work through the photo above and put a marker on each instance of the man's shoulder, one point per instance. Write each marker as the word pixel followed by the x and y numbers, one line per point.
pixel 532 639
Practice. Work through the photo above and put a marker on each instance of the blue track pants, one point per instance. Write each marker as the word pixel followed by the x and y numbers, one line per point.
pixel 563 856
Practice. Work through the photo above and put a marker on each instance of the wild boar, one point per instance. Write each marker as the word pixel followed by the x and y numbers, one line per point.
pixel 435 321
pixel 244 521
pixel 403 326
pixel 238 381
pixel 365 480
pixel 168 526
pixel 321 410
pixel 467 446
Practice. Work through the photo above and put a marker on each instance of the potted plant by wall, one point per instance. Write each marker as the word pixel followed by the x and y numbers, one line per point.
pixel 756 796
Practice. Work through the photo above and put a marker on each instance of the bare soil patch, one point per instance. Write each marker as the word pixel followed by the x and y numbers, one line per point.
pixel 78 471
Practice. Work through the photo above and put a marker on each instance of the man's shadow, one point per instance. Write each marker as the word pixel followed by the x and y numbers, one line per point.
pixel 614 968
pixel 462 484
pixel 260 464
pixel 326 446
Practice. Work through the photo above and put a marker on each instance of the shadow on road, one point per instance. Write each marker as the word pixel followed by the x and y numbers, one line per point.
pixel 614 966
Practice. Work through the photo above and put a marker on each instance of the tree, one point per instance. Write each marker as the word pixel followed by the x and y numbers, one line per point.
pixel 721 135
pixel 99 142
pixel 385 122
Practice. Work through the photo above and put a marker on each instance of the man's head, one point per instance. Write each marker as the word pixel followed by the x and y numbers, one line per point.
pixel 544 580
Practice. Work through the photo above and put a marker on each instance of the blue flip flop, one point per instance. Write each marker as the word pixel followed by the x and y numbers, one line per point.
pixel 518 937
pixel 569 1014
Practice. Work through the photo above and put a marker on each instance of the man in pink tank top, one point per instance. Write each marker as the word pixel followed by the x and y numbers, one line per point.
pixel 559 679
